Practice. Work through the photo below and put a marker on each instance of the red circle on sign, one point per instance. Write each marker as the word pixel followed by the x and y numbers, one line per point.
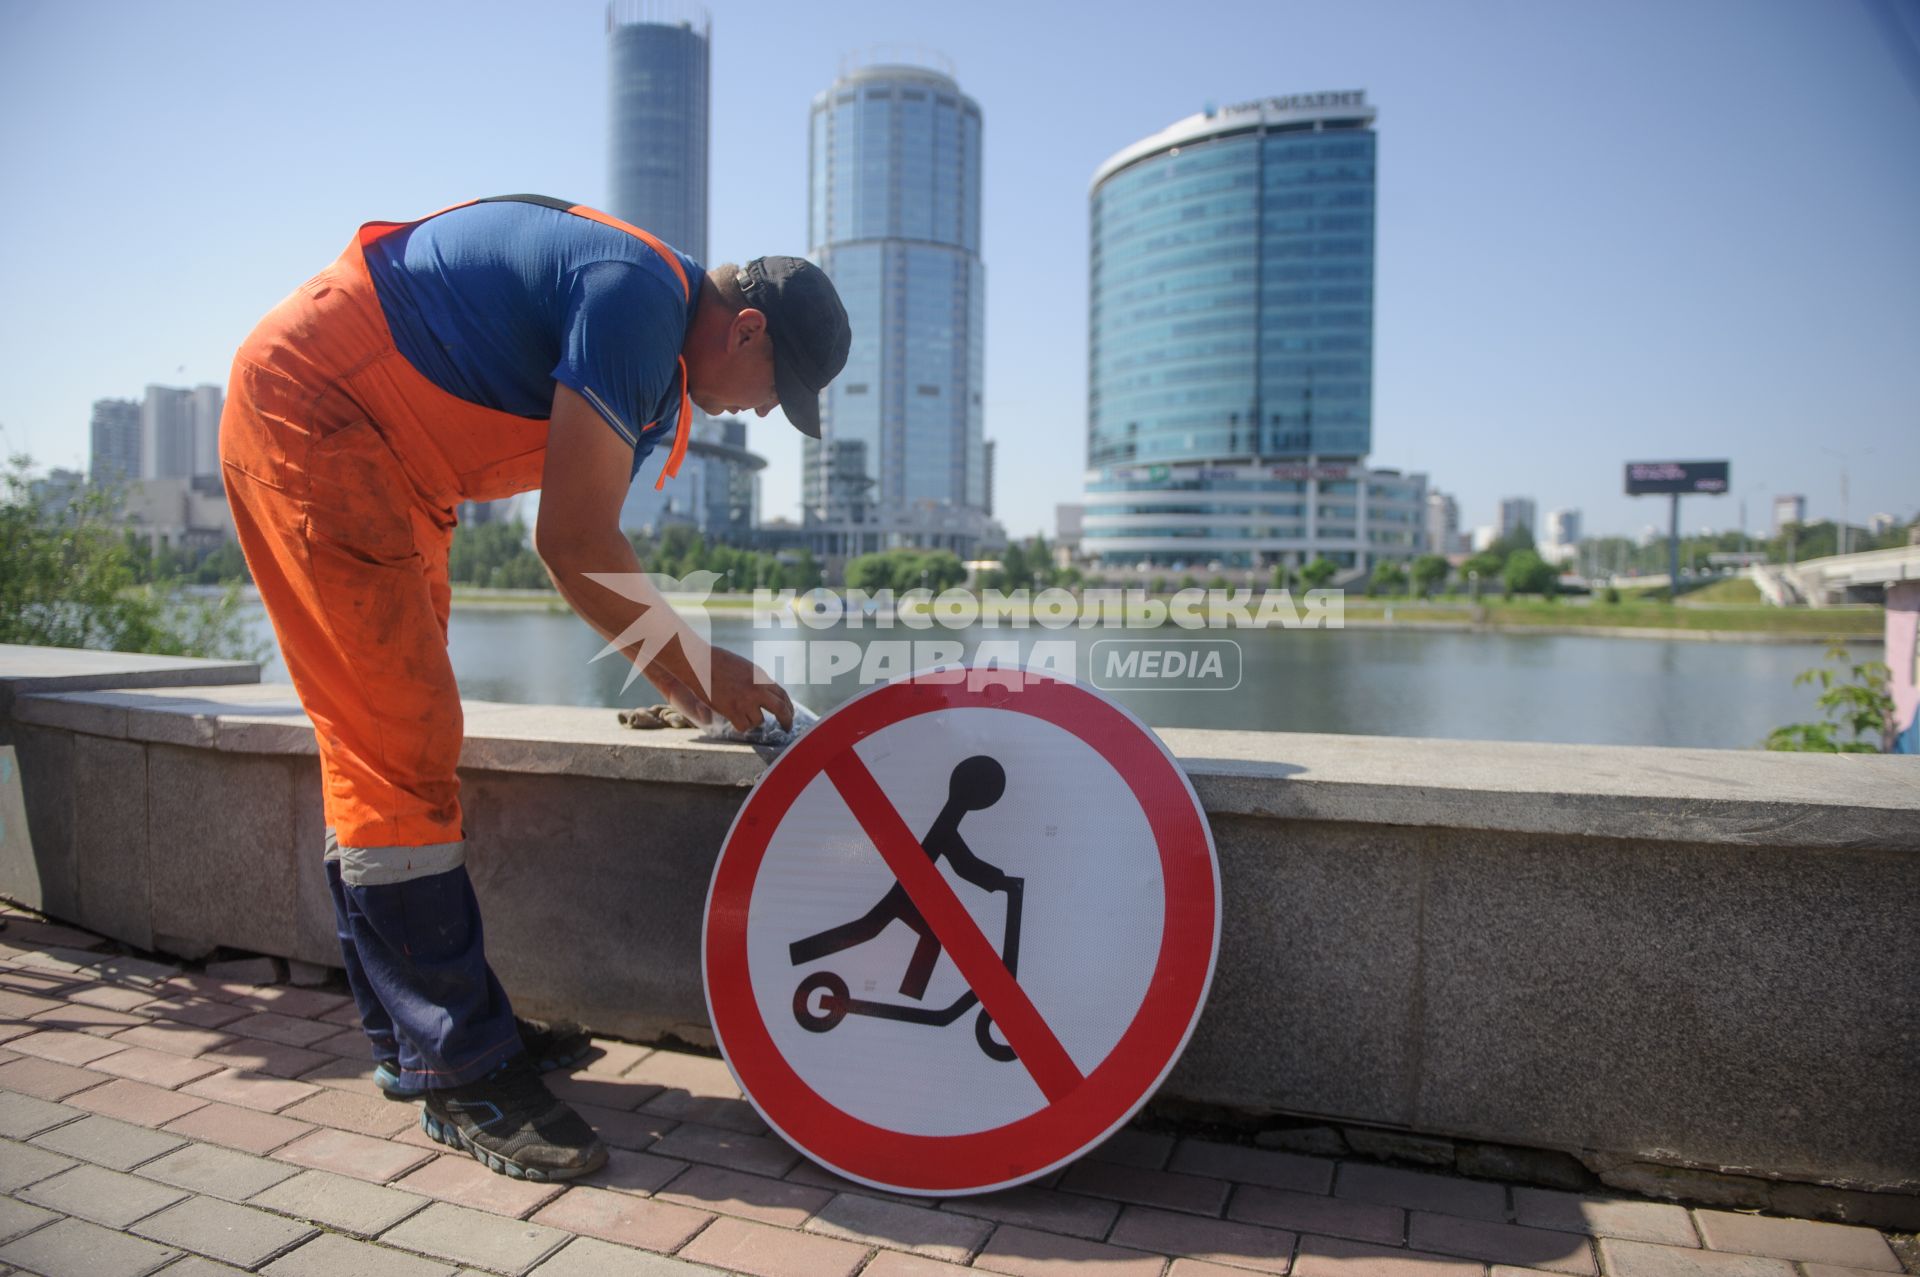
pixel 1115 1088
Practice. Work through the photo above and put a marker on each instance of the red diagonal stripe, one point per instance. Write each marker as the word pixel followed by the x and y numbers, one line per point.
pixel 980 964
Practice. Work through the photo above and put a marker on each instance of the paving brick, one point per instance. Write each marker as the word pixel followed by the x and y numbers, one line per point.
pixel 248 1090
pixel 105 1141
pixel 112 1198
pixel 684 1071
pixel 746 1247
pixel 896 1225
pixel 173 1037
pixel 627 1130
pixel 1419 1190
pixel 85 1019
pixel 31 933
pixel 707 1110
pixel 1314 1213
pixel 1268 1250
pixel 217 1172
pixel 755 1154
pixel 629 1172
pixel 464 1236
pixel 1502 1243
pixel 233 1127
pixel 1339 1257
pixel 198 1266
pixel 627 1220
pixel 345 1153
pixel 293 1003
pixel 197 985
pixel 1183 1267
pixel 15 1005
pixel 200 1013
pixel 1835 1270
pixel 1252 1166
pixel 113 997
pixel 814 1175
pixel 243 973
pixel 136 1102
pixel 781 1203
pixel 898 1263
pixel 348 1044
pixel 1646 1259
pixel 44 1079
pixel 462 1180
pixel 1192 1193
pixel 330 1256
pixel 599 1090
pixel 256 1055
pixel 1845 1245
pixel 39 984
pixel 350 1111
pixel 588 1257
pixel 20 1217
pixel 1045 1209
pixel 10 1029
pixel 23 1116
pixel 23 1164
pixel 1025 1253
pixel 221 1230
pixel 75 1248
pixel 63 1046
pixel 124 969
pixel 1147 1150
pixel 1604 1216
pixel 344 1075
pixel 285 1029
pixel 350 1205
pixel 612 1058
pixel 346 1015
pixel 155 1068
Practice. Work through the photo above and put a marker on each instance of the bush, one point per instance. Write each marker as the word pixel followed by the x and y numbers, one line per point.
pixel 1855 699
pixel 67 579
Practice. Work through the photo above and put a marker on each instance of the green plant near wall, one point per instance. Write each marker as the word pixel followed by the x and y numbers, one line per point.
pixel 1855 699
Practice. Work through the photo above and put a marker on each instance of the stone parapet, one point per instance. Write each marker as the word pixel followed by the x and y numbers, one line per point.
pixel 1694 959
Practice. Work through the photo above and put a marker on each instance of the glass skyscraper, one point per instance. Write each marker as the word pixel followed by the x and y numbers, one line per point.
pixel 894 219
pixel 657 154
pixel 1230 398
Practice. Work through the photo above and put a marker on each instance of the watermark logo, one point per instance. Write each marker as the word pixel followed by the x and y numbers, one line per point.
pixel 661 622
pixel 1165 665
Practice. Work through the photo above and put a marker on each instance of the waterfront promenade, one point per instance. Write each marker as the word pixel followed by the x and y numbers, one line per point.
pixel 158 1119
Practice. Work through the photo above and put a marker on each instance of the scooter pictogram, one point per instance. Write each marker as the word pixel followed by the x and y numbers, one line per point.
pixel 976 784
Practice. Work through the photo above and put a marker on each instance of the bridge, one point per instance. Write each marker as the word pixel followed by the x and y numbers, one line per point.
pixel 1838 578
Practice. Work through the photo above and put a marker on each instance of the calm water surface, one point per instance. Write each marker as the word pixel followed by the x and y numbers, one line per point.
pixel 1613 691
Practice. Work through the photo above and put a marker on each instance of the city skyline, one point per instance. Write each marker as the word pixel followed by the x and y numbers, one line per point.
pixel 1658 230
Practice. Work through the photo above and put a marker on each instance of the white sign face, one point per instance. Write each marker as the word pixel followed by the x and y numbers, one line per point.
pixel 958 935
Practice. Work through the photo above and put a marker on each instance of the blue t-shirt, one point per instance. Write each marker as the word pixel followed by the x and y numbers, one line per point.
pixel 496 301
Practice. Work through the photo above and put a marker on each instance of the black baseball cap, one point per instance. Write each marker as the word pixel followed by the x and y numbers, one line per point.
pixel 809 329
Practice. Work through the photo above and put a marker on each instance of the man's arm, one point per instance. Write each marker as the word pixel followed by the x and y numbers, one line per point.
pixel 578 532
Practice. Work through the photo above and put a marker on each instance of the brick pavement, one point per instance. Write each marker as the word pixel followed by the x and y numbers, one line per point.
pixel 158 1121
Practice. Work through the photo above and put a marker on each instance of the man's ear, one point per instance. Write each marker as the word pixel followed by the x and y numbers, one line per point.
pixel 748 326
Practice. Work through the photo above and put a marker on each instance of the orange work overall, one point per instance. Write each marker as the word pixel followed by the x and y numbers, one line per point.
pixel 343 466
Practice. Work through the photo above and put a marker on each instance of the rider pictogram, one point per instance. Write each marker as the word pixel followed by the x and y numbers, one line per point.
pixel 976 784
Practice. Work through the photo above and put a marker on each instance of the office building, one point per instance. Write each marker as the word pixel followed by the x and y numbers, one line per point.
pixel 1230 405
pixel 657 83
pixel 717 492
pixel 1788 507
pixel 1443 525
pixel 115 453
pixel 180 432
pixel 1517 513
pixel 894 218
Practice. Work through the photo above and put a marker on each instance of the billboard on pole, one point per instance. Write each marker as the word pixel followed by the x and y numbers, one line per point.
pixel 1647 477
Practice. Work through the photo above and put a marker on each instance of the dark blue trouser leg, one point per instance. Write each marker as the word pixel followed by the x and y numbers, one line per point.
pixel 417 965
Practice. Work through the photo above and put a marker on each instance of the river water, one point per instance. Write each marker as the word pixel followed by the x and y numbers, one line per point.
pixel 1404 682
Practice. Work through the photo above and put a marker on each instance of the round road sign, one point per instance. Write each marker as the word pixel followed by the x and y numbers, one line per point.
pixel 961 930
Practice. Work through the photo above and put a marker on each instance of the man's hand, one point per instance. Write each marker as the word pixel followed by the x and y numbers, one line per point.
pixel 740 690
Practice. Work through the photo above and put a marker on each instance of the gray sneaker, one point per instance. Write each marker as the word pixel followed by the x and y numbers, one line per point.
pixel 512 1124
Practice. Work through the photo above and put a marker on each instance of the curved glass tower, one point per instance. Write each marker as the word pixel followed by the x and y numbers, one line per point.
pixel 1230 403
pixel 894 218
pixel 657 151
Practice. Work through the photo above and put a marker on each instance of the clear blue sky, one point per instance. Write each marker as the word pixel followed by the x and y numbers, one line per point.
pixel 1640 229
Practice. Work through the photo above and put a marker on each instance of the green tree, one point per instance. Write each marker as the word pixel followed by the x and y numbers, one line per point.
pixel 1316 574
pixel 1855 700
pixel 1485 565
pixel 1429 573
pixel 1527 573
pixel 67 579
pixel 1387 577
